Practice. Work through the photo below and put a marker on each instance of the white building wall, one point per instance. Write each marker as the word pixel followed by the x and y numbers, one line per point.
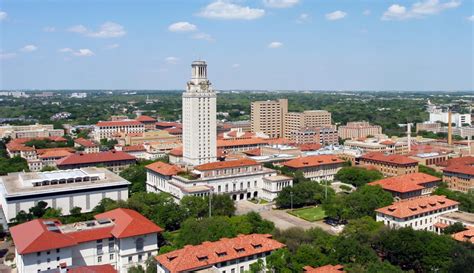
pixel 31 263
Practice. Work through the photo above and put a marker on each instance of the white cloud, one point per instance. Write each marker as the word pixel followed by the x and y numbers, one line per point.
pixel 229 11
pixel 3 15
pixel 275 45
pixel 106 30
pixel 7 55
pixel 83 52
pixel 29 48
pixel 280 3
pixel 337 15
pixel 366 12
pixel 49 29
pixel 203 36
pixel 418 9
pixel 303 18
pixel 171 60
pixel 77 29
pixel 112 46
pixel 471 18
pixel 235 65
pixel 182 27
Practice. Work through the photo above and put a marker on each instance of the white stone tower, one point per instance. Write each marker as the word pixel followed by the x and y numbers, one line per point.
pixel 199 118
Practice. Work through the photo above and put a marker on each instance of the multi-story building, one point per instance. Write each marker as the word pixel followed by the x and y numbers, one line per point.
pixel 241 179
pixel 115 161
pixel 230 255
pixel 199 118
pixel 428 126
pixel 386 146
pixel 324 269
pixel 64 189
pixel 409 185
pixel 149 136
pixel 272 185
pixel 438 115
pixel 418 213
pixel 30 131
pixel 390 165
pixel 147 121
pixel 295 121
pixel 360 129
pixel 465 218
pixel 321 135
pixel 459 175
pixel 268 117
pixel 109 129
pixel 121 237
pixel 317 168
pixel 86 145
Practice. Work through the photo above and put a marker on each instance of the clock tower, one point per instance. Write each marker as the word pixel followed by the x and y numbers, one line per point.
pixel 199 118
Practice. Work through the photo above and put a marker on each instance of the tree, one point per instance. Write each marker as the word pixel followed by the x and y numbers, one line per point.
pixel 48 169
pixel 194 232
pixel 136 175
pixel 257 267
pixel 279 261
pixel 222 204
pixel 39 209
pixel 151 265
pixel 136 269
pixel 454 228
pixel 466 200
pixel 303 194
pixel 357 176
pixel 430 171
pixel 365 200
pixel 194 206
pixel 52 213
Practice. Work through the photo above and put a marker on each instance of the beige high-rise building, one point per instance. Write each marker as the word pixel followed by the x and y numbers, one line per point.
pixel 268 117
pixel 295 121
pixel 358 129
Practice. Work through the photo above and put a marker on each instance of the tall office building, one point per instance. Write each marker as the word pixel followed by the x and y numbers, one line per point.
pixel 297 121
pixel 199 118
pixel 267 117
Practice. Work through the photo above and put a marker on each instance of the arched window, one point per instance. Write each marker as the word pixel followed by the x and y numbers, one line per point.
pixel 139 244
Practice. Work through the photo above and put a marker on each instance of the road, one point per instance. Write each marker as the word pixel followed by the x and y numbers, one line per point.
pixel 280 218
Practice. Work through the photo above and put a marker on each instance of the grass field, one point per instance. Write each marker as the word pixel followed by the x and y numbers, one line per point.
pixel 310 214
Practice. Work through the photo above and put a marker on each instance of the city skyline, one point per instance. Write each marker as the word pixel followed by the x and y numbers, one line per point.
pixel 261 45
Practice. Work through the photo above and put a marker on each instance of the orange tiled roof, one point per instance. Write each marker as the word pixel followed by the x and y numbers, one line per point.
pixel 144 118
pixel 55 153
pixel 164 168
pixel 128 223
pixel 253 152
pixel 324 269
pixel 390 159
pixel 226 164
pixel 411 207
pixel 459 168
pixel 313 161
pixel 94 158
pixel 406 183
pixel 208 254
pixel 178 151
pixel 310 147
pixel 46 150
pixel 465 160
pixel 133 148
pixel 119 123
pixel 465 236
pixel 84 142
pixel 167 124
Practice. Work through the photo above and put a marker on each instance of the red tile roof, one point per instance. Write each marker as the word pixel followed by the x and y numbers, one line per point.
pixel 390 159
pixel 47 150
pixel 313 161
pixel 388 142
pixel 465 236
pixel 164 168
pixel 133 148
pixel 129 223
pixel 253 152
pixel 120 123
pixel 406 183
pixel 85 142
pixel 465 160
pixel 178 151
pixel 226 164
pixel 168 124
pixel 54 154
pixel 411 207
pixel 144 118
pixel 310 147
pixel 33 236
pixel 463 169
pixel 208 254
pixel 324 269
pixel 174 130
pixel 94 158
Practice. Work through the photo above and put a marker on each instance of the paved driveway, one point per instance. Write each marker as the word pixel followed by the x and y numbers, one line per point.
pixel 280 218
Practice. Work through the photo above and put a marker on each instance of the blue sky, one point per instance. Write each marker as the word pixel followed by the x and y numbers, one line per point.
pixel 260 44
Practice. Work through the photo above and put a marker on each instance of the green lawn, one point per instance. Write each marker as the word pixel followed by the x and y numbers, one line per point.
pixel 310 214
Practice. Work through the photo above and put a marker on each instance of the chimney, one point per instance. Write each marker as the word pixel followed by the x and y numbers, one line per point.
pixel 450 129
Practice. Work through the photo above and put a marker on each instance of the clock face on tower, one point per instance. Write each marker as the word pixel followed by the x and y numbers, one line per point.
pixel 204 86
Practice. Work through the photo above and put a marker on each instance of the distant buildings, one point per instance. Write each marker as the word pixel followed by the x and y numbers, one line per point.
pixel 268 117
pixel 409 185
pixel 86 145
pixel 459 174
pixel 226 255
pixel 15 94
pixel 199 118
pixel 379 144
pixel 63 189
pixel 108 129
pixel 29 131
pixel 322 135
pixel 115 161
pixel 307 120
pixel 389 165
pixel 317 168
pixel 112 238
pixel 82 95
pixel 418 213
pixel 360 129
pixel 438 115
pixel 147 121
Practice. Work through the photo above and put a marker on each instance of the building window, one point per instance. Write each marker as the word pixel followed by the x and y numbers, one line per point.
pixel 130 259
pixel 111 257
pixel 99 259
pixel 139 244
